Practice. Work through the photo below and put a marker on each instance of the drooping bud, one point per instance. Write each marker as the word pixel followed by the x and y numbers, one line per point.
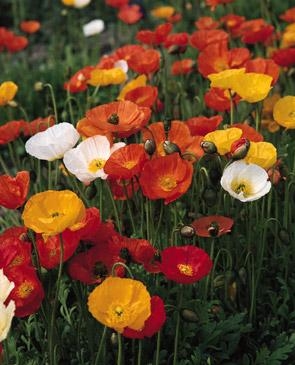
pixel 239 148
pixel 189 316
pixel 170 147
pixel 208 147
pixel 187 231
pixel 150 146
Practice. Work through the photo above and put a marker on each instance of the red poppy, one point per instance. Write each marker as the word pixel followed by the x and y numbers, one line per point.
pixel 78 82
pixel 155 37
pixel 92 227
pixel 206 22
pixel 93 266
pixel 200 126
pixel 212 226
pixel 129 14
pixel 185 264
pixel 126 162
pixel 179 40
pixel 289 15
pixel 145 62
pixel 123 189
pixel 10 131
pixel 49 250
pixel 30 26
pixel 284 57
pixel 217 99
pixel 213 3
pixel 217 57
pixel 182 67
pixel 166 177
pixel 255 31
pixel 202 38
pixel 232 23
pixel 16 44
pixel 107 61
pixel 15 232
pixel 174 18
pixel 116 3
pixel 14 190
pixel 28 292
pixel 122 118
pixel 5 36
pixel 154 322
pixel 248 132
pixel 263 66
pixel 37 125
pixel 14 252
pixel 127 51
pixel 144 96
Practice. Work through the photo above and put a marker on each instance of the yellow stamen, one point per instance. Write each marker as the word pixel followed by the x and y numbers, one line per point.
pixel 185 269
pixel 96 164
pixel 168 183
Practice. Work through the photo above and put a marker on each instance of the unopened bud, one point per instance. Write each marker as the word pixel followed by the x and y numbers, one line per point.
pixel 150 146
pixel 187 231
pixel 208 147
pixel 38 86
pixel 189 316
pixel 170 147
pixel 12 103
pixel 240 148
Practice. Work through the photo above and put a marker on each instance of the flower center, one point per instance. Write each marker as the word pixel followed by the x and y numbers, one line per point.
pixel 96 164
pixel 25 289
pixel 168 183
pixel 129 164
pixel 114 119
pixel 185 269
pixel 292 114
pixel 242 187
pixel 118 310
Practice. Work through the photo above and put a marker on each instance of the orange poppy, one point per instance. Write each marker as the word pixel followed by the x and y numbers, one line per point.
pixel 212 226
pixel 200 126
pixel 78 82
pixel 10 131
pixel 155 37
pixel 127 51
pixel 145 62
pixel 232 23
pixel 126 162
pixel 206 22
pixel 129 14
pixel 217 99
pixel 289 15
pixel 213 3
pixel 177 40
pixel 254 31
pixel 14 190
pixel 143 96
pixel 30 26
pixel 263 66
pixel 37 125
pixel 248 132
pixel 166 177
pixel 202 38
pixel 107 62
pixel 16 44
pixel 182 67
pixel 122 118
pixel 217 57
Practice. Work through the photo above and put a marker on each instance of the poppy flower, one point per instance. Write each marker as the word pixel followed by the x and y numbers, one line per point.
pixel 10 131
pixel 8 89
pixel 92 225
pixel 232 23
pixel 88 159
pixel 126 162
pixel 14 190
pixel 289 15
pixel 284 112
pixel 218 99
pixel 52 143
pixel 263 66
pixel 156 37
pixel 248 132
pixel 37 125
pixel 166 177
pixel 217 57
pixel 245 182
pixel 200 126
pixel 93 266
pixel 78 82
pixel 123 189
pixel 145 62
pixel 7 311
pixel 28 292
pixel 284 57
pixel 76 3
pixel 49 251
pixel 263 154
pixel 14 232
pixel 120 303
pixel 139 81
pixel 51 212
pixel 96 26
pixel 163 12
pixel 182 67
pixel 255 31
pixel 116 3
pixel 153 323
pixel 212 226
pixel 214 3
pixel 129 14
pixel 185 264
pixel 200 39
pixel 15 252
pixel 127 51
pixel 144 96
pixel 225 79
pixel 122 118
pixel 30 26
pixel 6 286
pixel 16 44
pixel 179 40
pixel 101 77
pixel 206 22
pixel 223 139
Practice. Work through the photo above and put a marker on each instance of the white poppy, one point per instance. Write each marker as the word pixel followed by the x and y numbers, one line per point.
pixel 87 160
pixel 52 143
pixel 6 286
pixel 246 182
pixel 6 315
pixel 94 27
pixel 81 3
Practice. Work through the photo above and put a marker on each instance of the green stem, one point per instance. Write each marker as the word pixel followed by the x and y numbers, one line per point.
pixel 124 265
pixel 120 352
pixel 177 326
pixel 115 209
pixel 158 348
pixel 102 341
pixel 139 354
pixel 53 100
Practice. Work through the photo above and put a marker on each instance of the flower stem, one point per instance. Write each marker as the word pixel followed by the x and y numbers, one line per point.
pixel 139 354
pixel 53 100
pixel 120 352
pixel 180 293
pixel 101 343
pixel 158 348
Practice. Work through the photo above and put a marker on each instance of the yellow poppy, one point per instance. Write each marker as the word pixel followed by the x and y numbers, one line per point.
pixel 8 89
pixel 288 37
pixel 284 112
pixel 133 84
pixel 119 303
pixel 263 154
pixel 225 79
pixel 163 12
pixel 252 86
pixel 101 77
pixel 223 139
pixel 68 2
pixel 51 212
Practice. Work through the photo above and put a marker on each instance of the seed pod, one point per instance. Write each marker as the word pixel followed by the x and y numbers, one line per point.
pixel 150 146
pixel 170 147
pixel 189 316
pixel 187 231
pixel 208 147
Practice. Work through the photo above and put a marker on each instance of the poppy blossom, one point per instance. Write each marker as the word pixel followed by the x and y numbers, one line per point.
pixel 144 96
pixel 284 57
pixel 214 3
pixel 78 82
pixel 232 23
pixel 185 264
pixel 92 225
pixel 163 12
pixel 223 139
pixel 263 66
pixel 37 125
pixel 129 14
pixel 218 99
pixel 116 3
pixel 15 252
pixel 14 190
pixel 200 126
pixel 135 83
pixel 153 323
pixel 212 226
pixel 123 189
pixel 30 26
pixel 225 79
pixel 166 177
pixel 248 132
pixel 11 130
pixel 206 22
pixel 7 311
pixel 263 154
pixel 182 67
pixel 284 112
pixel 200 39
pixel 145 62
pixel 101 77
pixel 127 51
pixel 120 303
pixel 156 37
pixel 289 15
pixel 16 44
pixel 254 31
pixel 96 26
pixel 8 89
pixel 179 40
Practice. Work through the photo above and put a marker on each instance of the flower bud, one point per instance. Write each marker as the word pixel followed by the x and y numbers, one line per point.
pixel 239 148
pixel 38 86
pixel 208 147
pixel 12 103
pixel 170 147
pixel 189 316
pixel 187 231
pixel 150 146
